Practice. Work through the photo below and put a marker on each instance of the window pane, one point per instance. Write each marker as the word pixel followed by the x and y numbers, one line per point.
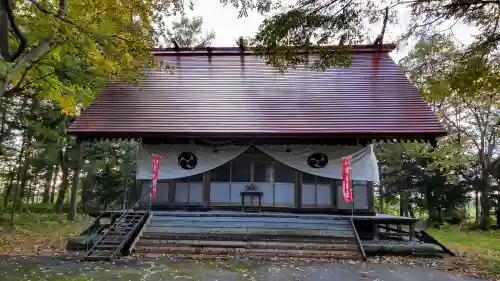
pixel 241 171
pixel 221 173
pixel 284 173
pixel 263 172
pixel 308 178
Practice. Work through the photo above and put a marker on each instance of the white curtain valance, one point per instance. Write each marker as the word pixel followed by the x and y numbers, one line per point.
pixel 326 161
pixel 179 161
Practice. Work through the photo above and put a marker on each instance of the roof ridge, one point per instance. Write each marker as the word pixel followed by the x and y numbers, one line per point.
pixel 368 48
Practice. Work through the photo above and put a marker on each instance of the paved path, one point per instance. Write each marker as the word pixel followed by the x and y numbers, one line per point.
pixel 47 268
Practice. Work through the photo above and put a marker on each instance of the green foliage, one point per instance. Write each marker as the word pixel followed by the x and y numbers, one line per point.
pixel 80 46
pixel 478 250
pixel 463 90
pixel 36 208
pixel 429 174
pixel 187 32
pixel 426 16
pixel 245 6
pixel 39 162
pixel 311 24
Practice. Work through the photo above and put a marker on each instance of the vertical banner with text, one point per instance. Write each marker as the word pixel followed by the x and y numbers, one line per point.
pixel 156 169
pixel 346 179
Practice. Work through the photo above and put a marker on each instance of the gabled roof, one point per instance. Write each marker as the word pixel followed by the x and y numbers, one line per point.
pixel 224 92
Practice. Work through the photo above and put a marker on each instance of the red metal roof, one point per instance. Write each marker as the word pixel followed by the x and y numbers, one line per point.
pixel 226 92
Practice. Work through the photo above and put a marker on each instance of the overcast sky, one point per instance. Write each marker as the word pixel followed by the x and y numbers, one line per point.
pixel 228 27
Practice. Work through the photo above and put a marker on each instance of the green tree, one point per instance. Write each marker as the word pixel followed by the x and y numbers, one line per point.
pixel 314 24
pixel 424 177
pixel 67 50
pixel 187 32
pixel 463 91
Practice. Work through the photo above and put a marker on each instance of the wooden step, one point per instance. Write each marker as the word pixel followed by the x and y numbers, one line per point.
pixel 249 252
pixel 242 244
pixel 189 230
pixel 120 230
pixel 244 237
pixel 253 224
pixel 111 241
pixel 105 246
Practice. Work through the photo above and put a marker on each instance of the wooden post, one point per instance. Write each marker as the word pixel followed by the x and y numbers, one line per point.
pixel 412 231
pixel 171 192
pixel 298 190
pixel 371 196
pixel 206 188
pixel 334 194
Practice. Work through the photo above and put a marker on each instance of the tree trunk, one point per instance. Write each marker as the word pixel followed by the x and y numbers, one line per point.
pixel 4 118
pixel 477 205
pixel 497 213
pixel 24 180
pixel 87 186
pixel 18 168
pixel 54 184
pixel 485 221
pixel 8 190
pixel 19 180
pixel 58 207
pixel 76 181
pixel 24 173
pixel 48 184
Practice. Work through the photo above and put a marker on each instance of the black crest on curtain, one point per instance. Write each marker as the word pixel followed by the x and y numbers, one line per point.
pixel 187 160
pixel 317 160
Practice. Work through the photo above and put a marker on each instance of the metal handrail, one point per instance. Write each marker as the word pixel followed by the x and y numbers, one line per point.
pixel 122 207
pixel 358 240
pixel 118 220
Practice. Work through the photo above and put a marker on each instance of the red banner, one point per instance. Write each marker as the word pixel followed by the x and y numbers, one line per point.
pixel 156 169
pixel 346 179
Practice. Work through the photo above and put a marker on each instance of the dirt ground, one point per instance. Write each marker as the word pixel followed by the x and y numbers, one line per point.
pixel 164 269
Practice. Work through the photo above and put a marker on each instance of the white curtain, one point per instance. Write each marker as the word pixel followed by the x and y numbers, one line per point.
pixel 363 161
pixel 173 157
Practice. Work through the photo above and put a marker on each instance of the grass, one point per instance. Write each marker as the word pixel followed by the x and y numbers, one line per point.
pixel 478 249
pixel 36 233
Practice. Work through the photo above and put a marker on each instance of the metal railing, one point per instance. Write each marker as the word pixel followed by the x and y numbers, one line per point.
pixel 111 212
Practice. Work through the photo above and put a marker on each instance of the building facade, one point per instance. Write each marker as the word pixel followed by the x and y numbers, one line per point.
pixel 225 122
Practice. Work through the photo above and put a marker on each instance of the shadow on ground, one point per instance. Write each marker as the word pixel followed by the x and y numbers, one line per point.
pixel 163 269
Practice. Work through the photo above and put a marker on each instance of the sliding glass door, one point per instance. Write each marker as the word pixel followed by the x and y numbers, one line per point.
pixel 316 191
pixel 275 180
